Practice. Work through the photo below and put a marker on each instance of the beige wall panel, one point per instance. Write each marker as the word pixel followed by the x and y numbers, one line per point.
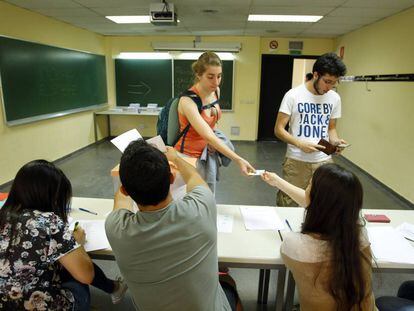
pixel 378 123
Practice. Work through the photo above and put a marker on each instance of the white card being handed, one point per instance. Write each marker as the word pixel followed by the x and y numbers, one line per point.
pixel 257 173
pixel 158 143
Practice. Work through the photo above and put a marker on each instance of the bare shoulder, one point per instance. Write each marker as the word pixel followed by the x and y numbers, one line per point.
pixel 186 105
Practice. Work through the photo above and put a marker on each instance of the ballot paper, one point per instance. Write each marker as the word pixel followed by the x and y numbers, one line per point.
pixel 261 218
pixel 95 234
pixel 389 245
pixel 224 223
pixel 158 143
pixel 122 141
pixel 407 230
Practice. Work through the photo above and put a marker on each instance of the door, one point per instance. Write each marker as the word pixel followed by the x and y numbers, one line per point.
pixel 276 80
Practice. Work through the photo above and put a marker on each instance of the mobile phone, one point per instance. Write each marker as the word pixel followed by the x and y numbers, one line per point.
pixel 376 218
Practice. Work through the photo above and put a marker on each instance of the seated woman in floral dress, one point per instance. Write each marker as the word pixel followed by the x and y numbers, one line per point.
pixel 43 266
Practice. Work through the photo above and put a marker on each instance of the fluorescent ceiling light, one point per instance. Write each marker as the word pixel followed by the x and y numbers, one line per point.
pixel 132 19
pixel 284 18
pixel 143 55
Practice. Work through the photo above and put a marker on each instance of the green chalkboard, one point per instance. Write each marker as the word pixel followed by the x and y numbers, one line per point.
pixel 143 81
pixel 183 79
pixel 41 81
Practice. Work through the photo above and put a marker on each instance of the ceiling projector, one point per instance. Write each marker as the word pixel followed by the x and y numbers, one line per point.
pixel 162 14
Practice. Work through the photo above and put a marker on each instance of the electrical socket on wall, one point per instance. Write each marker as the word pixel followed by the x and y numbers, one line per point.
pixel 235 130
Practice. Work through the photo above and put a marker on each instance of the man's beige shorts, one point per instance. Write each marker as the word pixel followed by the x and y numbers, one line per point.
pixel 299 174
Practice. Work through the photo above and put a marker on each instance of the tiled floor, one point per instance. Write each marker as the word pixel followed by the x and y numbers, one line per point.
pixel 89 172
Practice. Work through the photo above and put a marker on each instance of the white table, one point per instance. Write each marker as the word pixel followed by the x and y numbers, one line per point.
pixel 254 249
pixel 122 112
pixel 241 248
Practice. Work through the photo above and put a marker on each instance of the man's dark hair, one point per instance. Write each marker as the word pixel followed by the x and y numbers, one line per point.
pixel 330 64
pixel 309 76
pixel 145 173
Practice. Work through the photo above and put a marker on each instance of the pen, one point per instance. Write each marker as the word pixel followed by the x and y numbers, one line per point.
pixel 76 226
pixel 288 224
pixel 280 235
pixel 88 211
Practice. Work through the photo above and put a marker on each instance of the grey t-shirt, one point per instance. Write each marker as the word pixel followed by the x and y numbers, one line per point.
pixel 169 257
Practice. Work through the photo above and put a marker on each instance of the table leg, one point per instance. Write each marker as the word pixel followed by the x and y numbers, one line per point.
pixel 95 128
pixel 290 292
pixel 260 290
pixel 280 290
pixel 263 286
pixel 266 286
pixel 109 125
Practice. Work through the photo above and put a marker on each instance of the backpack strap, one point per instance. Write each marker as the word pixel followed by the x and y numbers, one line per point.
pixel 197 100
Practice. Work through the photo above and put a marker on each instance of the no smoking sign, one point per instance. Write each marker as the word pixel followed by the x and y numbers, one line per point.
pixel 273 44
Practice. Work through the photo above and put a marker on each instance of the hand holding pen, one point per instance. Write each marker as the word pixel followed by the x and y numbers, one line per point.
pixel 79 234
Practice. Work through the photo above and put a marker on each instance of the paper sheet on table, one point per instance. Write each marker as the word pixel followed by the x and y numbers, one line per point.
pixel 158 143
pixel 407 230
pixel 224 223
pixel 389 245
pixel 95 234
pixel 261 218
pixel 122 141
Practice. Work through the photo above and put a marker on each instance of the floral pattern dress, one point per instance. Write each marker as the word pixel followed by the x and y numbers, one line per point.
pixel 29 275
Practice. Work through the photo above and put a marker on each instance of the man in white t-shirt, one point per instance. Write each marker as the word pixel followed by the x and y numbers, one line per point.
pixel 311 110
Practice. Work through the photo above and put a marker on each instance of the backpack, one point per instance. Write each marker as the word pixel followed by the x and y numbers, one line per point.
pixel 168 124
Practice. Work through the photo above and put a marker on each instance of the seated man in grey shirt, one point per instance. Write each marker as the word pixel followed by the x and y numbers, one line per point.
pixel 167 251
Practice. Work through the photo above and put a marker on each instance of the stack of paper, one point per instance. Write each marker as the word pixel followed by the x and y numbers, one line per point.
pixel 261 218
pixel 389 245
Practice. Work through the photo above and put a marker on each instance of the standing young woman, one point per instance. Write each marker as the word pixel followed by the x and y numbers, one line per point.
pixel 330 259
pixel 42 265
pixel 207 72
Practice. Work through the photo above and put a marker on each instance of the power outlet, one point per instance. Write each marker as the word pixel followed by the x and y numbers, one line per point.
pixel 235 130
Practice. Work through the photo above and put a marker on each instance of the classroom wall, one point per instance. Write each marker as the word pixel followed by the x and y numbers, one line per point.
pixel 379 123
pixel 246 79
pixel 245 91
pixel 54 138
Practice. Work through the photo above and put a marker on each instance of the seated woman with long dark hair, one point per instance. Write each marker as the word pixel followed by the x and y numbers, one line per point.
pixel 330 258
pixel 43 266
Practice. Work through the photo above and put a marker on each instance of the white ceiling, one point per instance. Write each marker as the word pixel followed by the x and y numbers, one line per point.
pixel 340 16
